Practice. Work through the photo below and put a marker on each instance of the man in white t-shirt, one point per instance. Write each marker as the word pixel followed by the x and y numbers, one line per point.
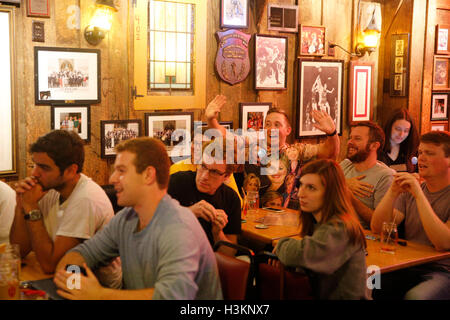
pixel 7 205
pixel 58 207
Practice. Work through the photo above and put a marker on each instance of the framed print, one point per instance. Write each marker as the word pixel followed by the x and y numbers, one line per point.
pixel 320 88
pixel 270 62
pixel 440 73
pixel 283 18
pixel 38 8
pixel 234 14
pixel 439 126
pixel 312 40
pixel 72 118
pixel 66 75
pixel 252 115
pixel 360 91
pixel 398 86
pixel 439 106
pixel 442 46
pixel 173 129
pixel 112 132
pixel 204 126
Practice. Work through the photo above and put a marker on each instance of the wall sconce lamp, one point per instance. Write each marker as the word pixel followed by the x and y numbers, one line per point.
pixel 370 35
pixel 101 22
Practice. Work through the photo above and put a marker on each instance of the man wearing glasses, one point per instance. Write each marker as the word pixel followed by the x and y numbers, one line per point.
pixel 216 205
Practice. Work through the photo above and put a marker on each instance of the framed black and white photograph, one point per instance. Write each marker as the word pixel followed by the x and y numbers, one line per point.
pixel 174 129
pixel 113 132
pixel 66 75
pixel 320 88
pixel 252 115
pixel 439 106
pixel 72 118
pixel 234 14
pixel 271 53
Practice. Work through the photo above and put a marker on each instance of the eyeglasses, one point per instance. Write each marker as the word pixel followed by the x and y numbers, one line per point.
pixel 212 172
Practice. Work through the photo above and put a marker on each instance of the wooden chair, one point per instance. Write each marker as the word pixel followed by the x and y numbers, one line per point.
pixel 235 275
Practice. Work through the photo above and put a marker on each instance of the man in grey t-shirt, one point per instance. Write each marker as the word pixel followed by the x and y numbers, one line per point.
pixel 367 178
pixel 164 252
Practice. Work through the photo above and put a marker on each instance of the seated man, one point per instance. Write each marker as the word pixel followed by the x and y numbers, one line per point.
pixel 7 206
pixel 215 204
pixel 367 178
pixel 163 249
pixel 59 207
pixel 425 207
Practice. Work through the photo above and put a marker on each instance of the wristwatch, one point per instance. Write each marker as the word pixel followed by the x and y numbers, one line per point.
pixel 33 215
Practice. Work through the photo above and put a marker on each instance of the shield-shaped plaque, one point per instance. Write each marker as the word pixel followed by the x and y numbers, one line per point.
pixel 232 61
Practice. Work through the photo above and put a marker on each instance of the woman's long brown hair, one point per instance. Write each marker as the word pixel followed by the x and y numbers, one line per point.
pixel 337 204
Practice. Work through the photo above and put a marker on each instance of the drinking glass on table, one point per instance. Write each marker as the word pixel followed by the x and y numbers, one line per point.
pixel 9 277
pixel 252 202
pixel 389 237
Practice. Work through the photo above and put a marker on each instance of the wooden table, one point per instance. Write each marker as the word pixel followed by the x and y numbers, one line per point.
pixel 272 232
pixel 412 254
pixel 31 269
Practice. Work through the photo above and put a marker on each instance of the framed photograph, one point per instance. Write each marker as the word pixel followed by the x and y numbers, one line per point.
pixel 440 73
pixel 312 40
pixel 252 115
pixel 38 8
pixel 398 86
pixel 204 126
pixel 439 106
pixel 283 18
pixel 320 88
pixel 439 126
pixel 271 62
pixel 442 46
pixel 234 14
pixel 360 91
pixel 72 118
pixel 66 75
pixel 173 129
pixel 112 132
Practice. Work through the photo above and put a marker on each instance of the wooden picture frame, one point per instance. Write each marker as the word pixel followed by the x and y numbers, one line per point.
pixel 361 79
pixel 63 118
pixel 67 75
pixel 312 41
pixel 252 115
pixel 271 56
pixel 38 8
pixel 282 18
pixel 234 14
pixel 174 129
pixel 439 126
pixel 441 68
pixel 442 39
pixel 439 106
pixel 112 132
pixel 399 73
pixel 316 77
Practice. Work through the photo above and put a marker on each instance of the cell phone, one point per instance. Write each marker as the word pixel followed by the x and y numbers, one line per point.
pixel 272 209
pixel 76 268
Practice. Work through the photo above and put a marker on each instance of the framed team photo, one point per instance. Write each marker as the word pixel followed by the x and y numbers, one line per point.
pixel 113 132
pixel 234 14
pixel 72 118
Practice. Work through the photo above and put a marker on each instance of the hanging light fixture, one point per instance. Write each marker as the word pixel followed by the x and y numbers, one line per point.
pixel 101 21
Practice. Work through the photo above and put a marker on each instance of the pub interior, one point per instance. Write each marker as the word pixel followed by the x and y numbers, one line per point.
pixel 337 185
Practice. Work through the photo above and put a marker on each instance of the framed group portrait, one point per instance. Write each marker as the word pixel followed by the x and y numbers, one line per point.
pixel 320 88
pixel 361 77
pixel 72 118
pixel 112 132
pixel 66 75
pixel 440 73
pixel 312 40
pixel 234 14
pixel 442 45
pixel 271 53
pixel 174 129
pixel 439 106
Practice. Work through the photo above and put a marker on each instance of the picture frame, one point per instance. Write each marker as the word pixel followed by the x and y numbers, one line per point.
pixel 63 118
pixel 399 69
pixel 439 126
pixel 361 79
pixel 252 115
pixel 282 18
pixel 312 40
pixel 234 14
pixel 315 79
pixel 440 73
pixel 168 126
pixel 67 75
pixel 112 132
pixel 38 8
pixel 203 125
pixel 442 37
pixel 271 56
pixel 439 106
